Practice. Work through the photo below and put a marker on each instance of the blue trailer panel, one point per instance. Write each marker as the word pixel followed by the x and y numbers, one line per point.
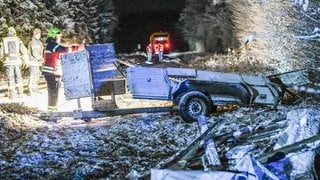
pixel 88 73
pixel 102 58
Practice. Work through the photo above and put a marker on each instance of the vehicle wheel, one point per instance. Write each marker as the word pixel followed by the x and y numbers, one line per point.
pixel 193 104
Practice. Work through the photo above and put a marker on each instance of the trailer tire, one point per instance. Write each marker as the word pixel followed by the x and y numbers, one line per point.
pixel 192 104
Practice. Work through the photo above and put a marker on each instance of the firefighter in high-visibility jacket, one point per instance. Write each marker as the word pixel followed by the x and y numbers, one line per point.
pixel 156 52
pixel 161 49
pixel 11 50
pixel 149 54
pixel 52 69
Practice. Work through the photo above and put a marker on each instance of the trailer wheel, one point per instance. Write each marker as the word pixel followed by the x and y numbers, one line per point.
pixel 193 104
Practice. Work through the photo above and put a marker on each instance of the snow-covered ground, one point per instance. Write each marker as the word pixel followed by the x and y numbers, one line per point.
pixel 40 100
pixel 130 146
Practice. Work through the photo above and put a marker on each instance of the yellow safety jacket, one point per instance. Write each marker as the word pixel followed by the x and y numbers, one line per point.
pixel 11 48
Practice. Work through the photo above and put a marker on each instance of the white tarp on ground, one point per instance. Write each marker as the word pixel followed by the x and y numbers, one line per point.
pixel 302 124
pixel 167 174
pixel 254 169
pixel 246 169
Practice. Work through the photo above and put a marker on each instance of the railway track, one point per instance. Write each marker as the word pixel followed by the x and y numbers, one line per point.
pixel 4 86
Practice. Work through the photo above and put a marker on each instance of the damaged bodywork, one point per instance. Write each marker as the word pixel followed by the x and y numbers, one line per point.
pixel 96 73
pixel 198 92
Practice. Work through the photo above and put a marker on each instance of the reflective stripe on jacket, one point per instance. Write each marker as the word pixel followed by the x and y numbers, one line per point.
pixel 11 48
pixel 52 59
pixel 156 49
pixel 149 49
pixel 161 47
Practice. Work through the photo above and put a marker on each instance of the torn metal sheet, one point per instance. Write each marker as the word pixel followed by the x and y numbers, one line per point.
pixel 239 152
pixel 293 78
pixel 210 159
pixel 306 80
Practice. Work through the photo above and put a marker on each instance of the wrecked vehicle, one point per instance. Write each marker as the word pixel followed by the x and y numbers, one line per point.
pixel 198 92
pixel 95 73
pixel 234 137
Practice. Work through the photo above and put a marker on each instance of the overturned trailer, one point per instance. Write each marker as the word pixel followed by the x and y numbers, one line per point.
pixel 198 92
pixel 95 73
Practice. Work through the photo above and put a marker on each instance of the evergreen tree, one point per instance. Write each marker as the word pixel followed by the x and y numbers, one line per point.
pixel 208 26
pixel 90 19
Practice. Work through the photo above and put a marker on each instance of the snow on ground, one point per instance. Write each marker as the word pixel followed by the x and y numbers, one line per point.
pixel 117 147
pixel 126 146
pixel 40 101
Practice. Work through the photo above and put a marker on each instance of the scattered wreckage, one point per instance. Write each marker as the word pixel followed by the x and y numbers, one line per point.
pixel 195 94
pixel 96 73
pixel 218 152
pixel 279 149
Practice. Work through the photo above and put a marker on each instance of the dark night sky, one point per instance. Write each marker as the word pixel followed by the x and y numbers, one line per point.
pixel 133 6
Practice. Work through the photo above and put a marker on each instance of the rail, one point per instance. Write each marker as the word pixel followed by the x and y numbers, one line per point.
pixel 4 86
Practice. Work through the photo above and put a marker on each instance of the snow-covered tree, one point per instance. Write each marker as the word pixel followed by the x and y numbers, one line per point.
pixel 90 19
pixel 208 26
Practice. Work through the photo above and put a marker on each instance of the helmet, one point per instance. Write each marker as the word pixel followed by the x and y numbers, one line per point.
pixel 11 31
pixel 53 32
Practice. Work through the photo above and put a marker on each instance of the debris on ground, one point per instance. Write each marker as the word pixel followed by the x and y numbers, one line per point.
pixel 130 146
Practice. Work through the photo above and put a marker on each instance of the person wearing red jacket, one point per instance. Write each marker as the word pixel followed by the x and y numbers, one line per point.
pixel 52 69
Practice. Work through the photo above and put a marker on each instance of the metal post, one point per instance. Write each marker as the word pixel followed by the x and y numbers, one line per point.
pixel 79 103
pixel 77 114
